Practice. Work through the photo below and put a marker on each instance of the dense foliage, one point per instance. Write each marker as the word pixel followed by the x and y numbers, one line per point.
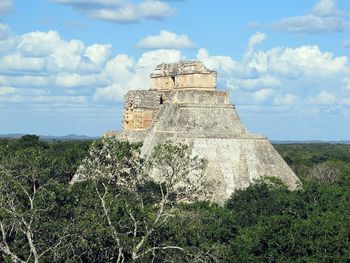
pixel 111 219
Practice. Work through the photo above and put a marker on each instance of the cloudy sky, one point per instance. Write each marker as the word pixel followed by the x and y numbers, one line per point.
pixel 66 64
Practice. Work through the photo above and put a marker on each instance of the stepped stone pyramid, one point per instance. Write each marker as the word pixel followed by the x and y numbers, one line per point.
pixel 183 105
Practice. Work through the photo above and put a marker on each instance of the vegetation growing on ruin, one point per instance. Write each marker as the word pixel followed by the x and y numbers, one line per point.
pixel 127 217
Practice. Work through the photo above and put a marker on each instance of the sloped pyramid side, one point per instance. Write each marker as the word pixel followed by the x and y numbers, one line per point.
pixel 211 127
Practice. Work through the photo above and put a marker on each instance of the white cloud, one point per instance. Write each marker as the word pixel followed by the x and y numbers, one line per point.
pixel 264 81
pixel 155 9
pixel 166 39
pixel 71 64
pixel 6 90
pixel 47 41
pixel 125 73
pixel 324 17
pixel 5 6
pixel 114 92
pixel 125 14
pixel 312 24
pixel 262 95
pixel 121 11
pixel 281 76
pixel 68 56
pixel 98 54
pixel 221 63
pixel 254 40
pixel 324 98
pixel 4 31
pixel 38 51
pixel 74 80
pixel 19 63
pixel 152 58
pixel 308 60
pixel 45 60
pixel 73 77
pixel 285 100
pixel 24 80
pixel 326 8
pixel 8 44
pixel 59 99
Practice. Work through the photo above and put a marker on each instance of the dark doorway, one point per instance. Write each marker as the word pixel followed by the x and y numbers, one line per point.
pixel 173 79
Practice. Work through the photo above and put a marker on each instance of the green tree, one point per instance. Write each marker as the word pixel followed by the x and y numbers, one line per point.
pixel 120 175
pixel 29 140
pixel 26 200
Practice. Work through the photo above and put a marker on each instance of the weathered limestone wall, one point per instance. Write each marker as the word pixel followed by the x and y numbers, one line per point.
pixel 196 81
pixel 137 119
pixel 198 112
pixel 163 83
pixel 139 109
pixel 208 97
pixel 232 163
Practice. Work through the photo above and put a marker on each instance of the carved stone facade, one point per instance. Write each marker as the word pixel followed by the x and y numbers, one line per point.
pixel 140 106
pixel 183 75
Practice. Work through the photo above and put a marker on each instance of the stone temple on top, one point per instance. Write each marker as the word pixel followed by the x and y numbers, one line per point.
pixel 183 105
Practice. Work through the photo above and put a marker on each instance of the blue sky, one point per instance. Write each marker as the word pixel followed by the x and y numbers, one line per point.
pixel 66 64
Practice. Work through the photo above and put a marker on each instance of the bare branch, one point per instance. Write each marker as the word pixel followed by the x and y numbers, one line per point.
pixel 325 172
pixel 102 198
pixel 4 247
pixel 153 249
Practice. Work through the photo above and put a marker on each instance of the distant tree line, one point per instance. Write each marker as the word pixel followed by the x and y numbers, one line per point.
pixel 119 214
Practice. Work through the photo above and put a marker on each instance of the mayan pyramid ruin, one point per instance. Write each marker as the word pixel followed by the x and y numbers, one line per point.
pixel 184 106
